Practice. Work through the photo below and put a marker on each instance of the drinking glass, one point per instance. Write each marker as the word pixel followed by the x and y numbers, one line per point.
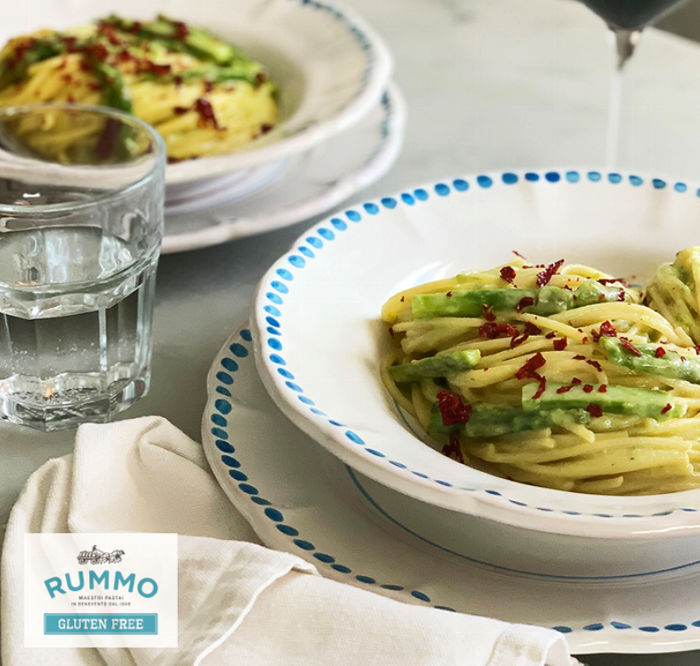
pixel 81 224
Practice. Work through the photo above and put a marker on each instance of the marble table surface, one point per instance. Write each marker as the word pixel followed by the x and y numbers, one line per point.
pixel 490 85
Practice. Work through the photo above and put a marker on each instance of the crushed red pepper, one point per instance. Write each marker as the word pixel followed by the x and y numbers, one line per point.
pixel 603 388
pixel 488 312
pixel 508 274
pixel 529 369
pixel 595 364
pixel 594 410
pixel 525 302
pixel 587 388
pixel 660 352
pixel 667 408
pixel 452 409
pixel 206 113
pixel 492 330
pixel 546 275
pixel 560 344
pixel 540 388
pixel 630 347
pixel 453 448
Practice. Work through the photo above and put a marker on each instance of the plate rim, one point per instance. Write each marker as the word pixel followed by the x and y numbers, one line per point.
pixel 300 408
pixel 374 168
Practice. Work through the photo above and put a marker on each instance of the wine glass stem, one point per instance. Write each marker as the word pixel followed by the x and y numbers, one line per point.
pixel 624 43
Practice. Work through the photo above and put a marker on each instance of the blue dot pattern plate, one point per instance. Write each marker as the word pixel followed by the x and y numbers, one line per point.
pixel 319 337
pixel 303 500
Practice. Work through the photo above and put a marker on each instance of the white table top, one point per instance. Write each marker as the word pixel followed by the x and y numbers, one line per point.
pixel 490 85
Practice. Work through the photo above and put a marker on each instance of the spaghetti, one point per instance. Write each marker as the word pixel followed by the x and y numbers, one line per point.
pixel 557 376
pixel 202 94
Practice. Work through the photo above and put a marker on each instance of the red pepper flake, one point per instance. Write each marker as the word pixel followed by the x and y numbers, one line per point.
pixel 697 350
pixel 551 335
pixel 517 254
pixel 208 86
pixel 594 410
pixel 452 409
pixel 206 113
pixel 660 352
pixel 508 274
pixel 179 110
pixel 98 52
pixel 587 388
pixel 575 381
pixel 454 448
pixel 667 408
pixel 391 332
pixel 525 302
pixel 85 67
pixel 530 367
pixel 683 359
pixel 603 388
pixel 449 295
pixel 260 78
pixel 178 81
pixel 540 388
pixel 630 347
pixel 546 275
pixel 579 357
pixel 158 70
pixel 564 389
pixel 181 30
pixel 66 78
pixel 601 297
pixel 607 330
pixel 531 329
pixel 518 340
pixel 265 128
pixel 488 312
pixel 70 43
pixel 492 330
pixel 560 344
pixel 595 364
pixel 585 340
pixel 403 298
pixel 621 296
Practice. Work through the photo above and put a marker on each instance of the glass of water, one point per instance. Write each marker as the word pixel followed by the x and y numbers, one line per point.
pixel 81 224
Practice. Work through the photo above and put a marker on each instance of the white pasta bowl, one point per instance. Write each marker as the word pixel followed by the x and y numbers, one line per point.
pixel 331 67
pixel 319 338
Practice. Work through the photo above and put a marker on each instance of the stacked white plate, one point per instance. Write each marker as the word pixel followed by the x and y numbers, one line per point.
pixel 341 124
pixel 354 488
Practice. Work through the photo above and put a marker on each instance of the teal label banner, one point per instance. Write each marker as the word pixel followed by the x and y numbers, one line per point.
pixel 57 624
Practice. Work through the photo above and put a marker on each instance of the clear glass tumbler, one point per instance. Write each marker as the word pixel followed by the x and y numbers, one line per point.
pixel 81 224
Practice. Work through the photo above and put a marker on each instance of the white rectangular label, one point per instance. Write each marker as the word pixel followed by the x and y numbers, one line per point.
pixel 100 590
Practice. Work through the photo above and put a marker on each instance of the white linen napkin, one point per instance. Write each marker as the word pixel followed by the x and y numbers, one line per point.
pixel 258 606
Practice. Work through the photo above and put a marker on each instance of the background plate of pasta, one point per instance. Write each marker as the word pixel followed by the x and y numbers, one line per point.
pixel 521 346
pixel 228 87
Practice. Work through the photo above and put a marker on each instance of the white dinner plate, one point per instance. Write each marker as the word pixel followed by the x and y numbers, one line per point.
pixel 318 313
pixel 301 499
pixel 298 188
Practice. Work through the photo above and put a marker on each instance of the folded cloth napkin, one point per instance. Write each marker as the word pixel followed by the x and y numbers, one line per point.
pixel 239 603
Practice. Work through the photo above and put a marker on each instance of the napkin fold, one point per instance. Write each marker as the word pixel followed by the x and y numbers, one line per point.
pixel 239 603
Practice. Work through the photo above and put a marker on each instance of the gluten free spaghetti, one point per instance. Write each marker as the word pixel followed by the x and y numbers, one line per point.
pixel 202 94
pixel 556 375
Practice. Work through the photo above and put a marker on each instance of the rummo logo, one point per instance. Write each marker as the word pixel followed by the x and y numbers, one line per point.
pixel 97 556
pixel 100 597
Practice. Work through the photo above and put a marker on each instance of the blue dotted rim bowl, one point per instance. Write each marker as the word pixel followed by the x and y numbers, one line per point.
pixel 249 494
pixel 461 488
